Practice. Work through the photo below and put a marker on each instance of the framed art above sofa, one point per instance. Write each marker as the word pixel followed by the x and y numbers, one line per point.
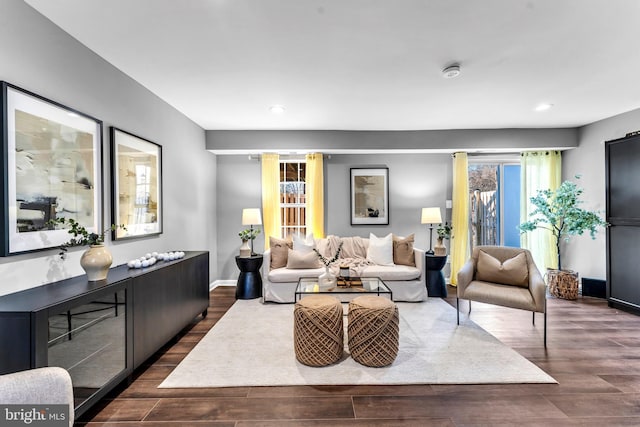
pixel 369 196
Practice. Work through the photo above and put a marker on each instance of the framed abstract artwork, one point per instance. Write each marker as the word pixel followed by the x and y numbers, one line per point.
pixel 52 162
pixel 136 189
pixel 369 196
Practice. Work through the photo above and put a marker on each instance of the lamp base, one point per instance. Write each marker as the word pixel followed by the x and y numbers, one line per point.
pixel 429 252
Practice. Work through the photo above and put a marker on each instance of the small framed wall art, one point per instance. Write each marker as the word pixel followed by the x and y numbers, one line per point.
pixel 136 189
pixel 369 196
pixel 52 166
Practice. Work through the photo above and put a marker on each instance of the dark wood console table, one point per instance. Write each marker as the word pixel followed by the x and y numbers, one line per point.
pixel 101 331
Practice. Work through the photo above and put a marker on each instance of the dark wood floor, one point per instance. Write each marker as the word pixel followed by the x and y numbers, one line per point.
pixel 593 351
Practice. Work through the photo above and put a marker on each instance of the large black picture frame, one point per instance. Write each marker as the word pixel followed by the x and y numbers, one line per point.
pixel 52 168
pixel 136 185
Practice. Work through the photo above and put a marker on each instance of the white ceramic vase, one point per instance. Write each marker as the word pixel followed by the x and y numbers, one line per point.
pixel 245 249
pixel 96 262
pixel 327 278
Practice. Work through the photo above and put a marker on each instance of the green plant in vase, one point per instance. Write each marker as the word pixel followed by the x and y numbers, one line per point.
pixel 444 232
pixel 81 236
pixel 247 235
pixel 97 259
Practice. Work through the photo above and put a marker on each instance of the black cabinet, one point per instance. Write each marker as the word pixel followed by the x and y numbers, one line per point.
pixel 165 301
pixel 623 213
pixel 101 331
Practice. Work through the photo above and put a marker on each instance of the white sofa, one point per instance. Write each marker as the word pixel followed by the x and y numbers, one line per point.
pixel 407 283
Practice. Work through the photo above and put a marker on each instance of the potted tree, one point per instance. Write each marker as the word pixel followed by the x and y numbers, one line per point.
pixel 559 212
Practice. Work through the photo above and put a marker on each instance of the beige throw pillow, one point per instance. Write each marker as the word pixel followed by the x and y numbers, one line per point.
pixel 513 271
pixel 403 250
pixel 279 252
pixel 298 260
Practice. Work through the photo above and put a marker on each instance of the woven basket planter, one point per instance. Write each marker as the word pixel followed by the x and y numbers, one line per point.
pixel 563 283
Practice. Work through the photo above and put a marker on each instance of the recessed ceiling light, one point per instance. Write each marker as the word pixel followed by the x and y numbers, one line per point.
pixel 543 107
pixel 276 109
pixel 451 71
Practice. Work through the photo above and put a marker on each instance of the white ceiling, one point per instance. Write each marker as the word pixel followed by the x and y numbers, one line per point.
pixel 370 64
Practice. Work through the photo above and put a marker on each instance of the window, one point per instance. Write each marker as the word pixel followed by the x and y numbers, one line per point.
pixel 292 197
pixel 494 204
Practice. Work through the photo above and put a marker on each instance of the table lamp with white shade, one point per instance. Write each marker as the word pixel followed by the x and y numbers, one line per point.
pixel 251 217
pixel 431 216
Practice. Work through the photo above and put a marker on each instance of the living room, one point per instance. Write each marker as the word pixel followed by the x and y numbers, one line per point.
pixel 210 175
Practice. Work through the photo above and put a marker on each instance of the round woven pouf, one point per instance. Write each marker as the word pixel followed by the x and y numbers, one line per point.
pixel 318 332
pixel 373 330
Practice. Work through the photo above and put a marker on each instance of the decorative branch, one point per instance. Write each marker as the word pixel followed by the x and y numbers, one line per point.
pixel 326 261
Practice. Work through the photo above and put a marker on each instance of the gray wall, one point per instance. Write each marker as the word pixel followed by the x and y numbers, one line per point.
pixel 228 141
pixel 415 181
pixel 582 254
pixel 38 56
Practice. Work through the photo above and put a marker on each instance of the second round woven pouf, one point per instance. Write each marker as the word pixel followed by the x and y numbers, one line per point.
pixel 373 330
pixel 318 332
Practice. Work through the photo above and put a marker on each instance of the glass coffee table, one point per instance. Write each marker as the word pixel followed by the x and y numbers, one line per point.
pixel 357 286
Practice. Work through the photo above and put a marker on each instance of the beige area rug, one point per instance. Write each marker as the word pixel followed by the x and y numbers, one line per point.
pixel 252 345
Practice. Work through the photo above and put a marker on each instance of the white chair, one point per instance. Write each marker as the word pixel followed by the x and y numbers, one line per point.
pixel 40 386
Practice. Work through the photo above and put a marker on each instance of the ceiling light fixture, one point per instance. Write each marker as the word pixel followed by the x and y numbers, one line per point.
pixel 451 71
pixel 276 109
pixel 543 107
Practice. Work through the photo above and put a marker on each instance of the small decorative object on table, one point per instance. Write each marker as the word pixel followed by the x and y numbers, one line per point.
pixel 245 236
pixel 150 259
pixel 343 277
pixel 444 232
pixel 328 278
pixel 97 259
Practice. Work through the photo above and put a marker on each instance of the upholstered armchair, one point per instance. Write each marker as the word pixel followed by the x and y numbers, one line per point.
pixel 41 386
pixel 503 276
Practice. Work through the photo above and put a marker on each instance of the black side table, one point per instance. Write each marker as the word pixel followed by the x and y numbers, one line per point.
pixel 249 282
pixel 436 286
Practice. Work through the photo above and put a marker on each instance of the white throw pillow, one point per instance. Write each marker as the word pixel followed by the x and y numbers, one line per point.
pixel 304 245
pixel 380 249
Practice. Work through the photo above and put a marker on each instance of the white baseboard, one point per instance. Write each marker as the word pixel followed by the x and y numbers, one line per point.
pixel 217 283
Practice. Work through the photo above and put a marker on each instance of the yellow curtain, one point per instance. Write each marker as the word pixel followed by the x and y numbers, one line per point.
pixel 270 196
pixel 539 170
pixel 314 191
pixel 459 215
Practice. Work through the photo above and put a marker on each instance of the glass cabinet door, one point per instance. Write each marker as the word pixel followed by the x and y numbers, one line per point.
pixel 89 341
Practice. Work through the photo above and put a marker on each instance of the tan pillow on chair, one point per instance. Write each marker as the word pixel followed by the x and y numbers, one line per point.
pixel 513 271
pixel 279 252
